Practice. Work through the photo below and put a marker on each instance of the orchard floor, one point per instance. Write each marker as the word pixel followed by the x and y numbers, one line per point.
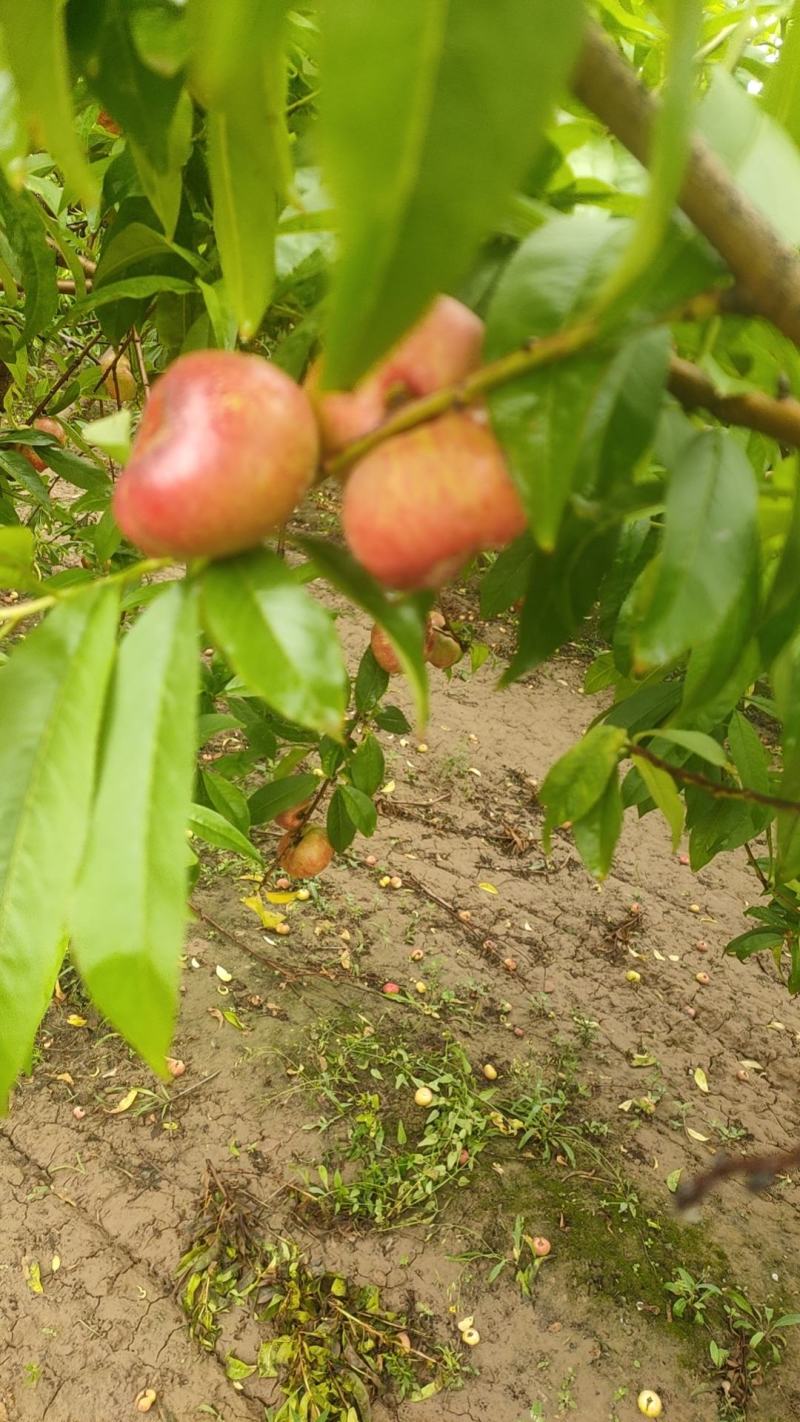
pixel 97 1211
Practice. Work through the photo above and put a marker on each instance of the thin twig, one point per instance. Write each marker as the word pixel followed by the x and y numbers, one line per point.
pixel 137 345
pixel 753 411
pixel 64 377
pixel 713 787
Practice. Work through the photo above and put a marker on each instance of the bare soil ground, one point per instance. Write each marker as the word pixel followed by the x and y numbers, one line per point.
pixel 97 1207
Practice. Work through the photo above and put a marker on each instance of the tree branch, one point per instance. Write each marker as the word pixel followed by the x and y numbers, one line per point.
pixel 713 787
pixel 754 411
pixel 766 268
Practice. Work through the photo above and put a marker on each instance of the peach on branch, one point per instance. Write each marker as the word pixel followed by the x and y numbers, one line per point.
pixel 226 449
pixel 423 502
pixel 306 856
pixel 442 348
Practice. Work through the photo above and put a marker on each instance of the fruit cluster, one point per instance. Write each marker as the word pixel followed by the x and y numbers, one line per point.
pixel 228 445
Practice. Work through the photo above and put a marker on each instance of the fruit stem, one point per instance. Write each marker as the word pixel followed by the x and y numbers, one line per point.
pixel 545 351
pixel 18 611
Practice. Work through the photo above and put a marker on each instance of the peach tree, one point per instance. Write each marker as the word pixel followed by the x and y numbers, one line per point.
pixel 523 278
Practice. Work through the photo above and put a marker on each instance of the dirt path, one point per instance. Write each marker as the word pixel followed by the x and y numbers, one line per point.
pixel 97 1208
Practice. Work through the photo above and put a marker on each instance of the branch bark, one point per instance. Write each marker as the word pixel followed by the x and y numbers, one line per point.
pixel 766 268
pixel 753 411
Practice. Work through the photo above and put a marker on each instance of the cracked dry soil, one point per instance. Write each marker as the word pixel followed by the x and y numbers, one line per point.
pixel 112 1197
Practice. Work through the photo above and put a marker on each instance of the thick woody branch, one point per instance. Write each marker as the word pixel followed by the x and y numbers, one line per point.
pixel 754 411
pixel 765 267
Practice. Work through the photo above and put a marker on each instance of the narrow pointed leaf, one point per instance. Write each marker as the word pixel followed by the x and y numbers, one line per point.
pixel 457 96
pixel 130 910
pixel 277 638
pixel 209 825
pixel 51 698
pixel 36 50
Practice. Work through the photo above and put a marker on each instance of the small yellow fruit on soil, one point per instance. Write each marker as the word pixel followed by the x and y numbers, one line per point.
pixel 472 1337
pixel 649 1403
pixel 303 895
pixel 490 1072
pixel 632 976
pixel 395 882
pixel 421 987
pixel 423 1096
pixel 385 881
pixel 145 1399
pixel 283 929
pixel 703 979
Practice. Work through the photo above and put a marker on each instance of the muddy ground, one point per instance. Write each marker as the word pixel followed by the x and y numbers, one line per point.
pixel 98 1206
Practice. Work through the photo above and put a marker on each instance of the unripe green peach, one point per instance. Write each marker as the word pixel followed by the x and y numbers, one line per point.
pixel 444 651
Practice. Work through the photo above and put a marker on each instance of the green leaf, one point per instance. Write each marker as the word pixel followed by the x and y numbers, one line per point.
pixel 21 221
pixel 695 741
pixel 393 720
pixel 111 434
pixel 360 809
pixel 142 100
pixel 279 795
pixel 216 829
pixel 130 910
pixel 508 577
pixel 52 690
pixel 36 49
pixel 759 154
pixel 542 418
pixel 164 189
pixel 786 685
pixel 13 138
pixel 669 149
pixel 239 69
pixel 227 799
pixel 781 94
pixel 749 754
pixel 368 765
pixel 133 288
pixel 457 96
pixel 662 789
pixel 16 558
pixel 577 781
pixel 400 620
pixel 371 682
pixel 710 552
pixel 597 832
pixel 753 941
pixel 341 829
pixel 277 638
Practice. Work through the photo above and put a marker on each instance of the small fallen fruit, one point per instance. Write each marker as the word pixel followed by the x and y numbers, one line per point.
pixel 518 1032
pixel 384 881
pixel 701 945
pixel 443 650
pixel 391 988
pixel 283 929
pixel 395 882
pixel 463 1159
pixel 541 1246
pixel 421 987
pixel 283 884
pixel 466 1324
pixel 79 1113
pixel 694 908
pixel 371 860
pixel 464 915
pixel 683 859
pixel 632 976
pixel 175 1066
pixel 304 895
pixel 145 1399
pixel 703 979
pixel 510 965
pixel 417 955
pixel 649 1403
pixel 636 908
pixel 689 1010
pixel 742 1074
pixel 472 1337
pixel 490 1072
pixel 423 1096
